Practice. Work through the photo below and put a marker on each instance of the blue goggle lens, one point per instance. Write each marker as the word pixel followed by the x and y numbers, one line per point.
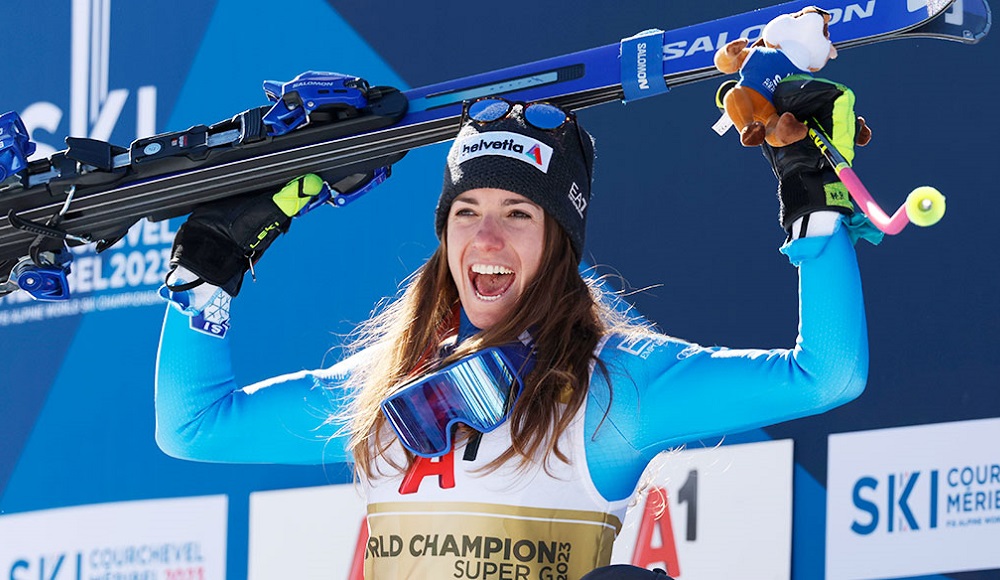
pixel 478 391
pixel 539 115
pixel 488 110
pixel 545 116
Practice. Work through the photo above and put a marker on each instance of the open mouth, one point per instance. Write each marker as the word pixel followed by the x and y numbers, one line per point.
pixel 490 281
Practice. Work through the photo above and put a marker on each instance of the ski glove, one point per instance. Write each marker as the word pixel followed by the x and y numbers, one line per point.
pixel 221 240
pixel 807 183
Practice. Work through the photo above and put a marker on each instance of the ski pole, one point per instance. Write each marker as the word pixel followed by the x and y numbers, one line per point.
pixel 924 205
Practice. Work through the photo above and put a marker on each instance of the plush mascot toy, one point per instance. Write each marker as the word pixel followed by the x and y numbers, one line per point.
pixel 790 44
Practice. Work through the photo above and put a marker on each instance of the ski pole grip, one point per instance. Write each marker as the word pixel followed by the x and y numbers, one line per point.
pixel 642 65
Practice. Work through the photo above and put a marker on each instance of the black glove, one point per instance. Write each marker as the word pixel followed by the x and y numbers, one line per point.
pixel 806 181
pixel 806 190
pixel 221 240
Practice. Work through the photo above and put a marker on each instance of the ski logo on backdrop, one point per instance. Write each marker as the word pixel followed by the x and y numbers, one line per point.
pixel 95 107
pixel 505 144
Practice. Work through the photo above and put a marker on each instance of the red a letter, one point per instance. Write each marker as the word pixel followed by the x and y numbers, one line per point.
pixel 656 514
pixel 358 565
pixel 423 467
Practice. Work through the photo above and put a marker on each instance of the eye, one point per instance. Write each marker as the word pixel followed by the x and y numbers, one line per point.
pixel 520 214
pixel 461 211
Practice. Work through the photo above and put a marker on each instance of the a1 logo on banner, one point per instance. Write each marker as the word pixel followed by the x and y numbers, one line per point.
pixel 728 514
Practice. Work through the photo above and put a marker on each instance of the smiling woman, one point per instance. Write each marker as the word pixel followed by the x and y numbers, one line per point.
pixel 500 412
pixel 495 241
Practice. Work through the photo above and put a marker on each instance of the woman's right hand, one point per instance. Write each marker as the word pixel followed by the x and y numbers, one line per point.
pixel 221 240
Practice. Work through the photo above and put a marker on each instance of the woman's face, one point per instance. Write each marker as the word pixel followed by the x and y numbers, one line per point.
pixel 495 240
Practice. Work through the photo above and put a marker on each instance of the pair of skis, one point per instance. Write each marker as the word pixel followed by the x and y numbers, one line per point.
pixel 94 191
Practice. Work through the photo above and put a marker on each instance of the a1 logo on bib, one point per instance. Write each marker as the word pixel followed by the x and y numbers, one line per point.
pixel 505 144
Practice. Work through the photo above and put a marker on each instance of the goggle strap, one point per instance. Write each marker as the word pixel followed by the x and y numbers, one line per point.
pixel 472 446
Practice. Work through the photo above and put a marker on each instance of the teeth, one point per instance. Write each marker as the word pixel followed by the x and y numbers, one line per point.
pixel 490 269
pixel 487 298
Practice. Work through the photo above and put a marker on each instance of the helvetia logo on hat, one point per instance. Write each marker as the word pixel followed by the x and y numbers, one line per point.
pixel 505 144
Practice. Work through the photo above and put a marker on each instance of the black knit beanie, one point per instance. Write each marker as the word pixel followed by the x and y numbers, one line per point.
pixel 551 168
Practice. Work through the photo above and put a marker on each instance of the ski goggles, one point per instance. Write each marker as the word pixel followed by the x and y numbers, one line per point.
pixel 540 115
pixel 478 391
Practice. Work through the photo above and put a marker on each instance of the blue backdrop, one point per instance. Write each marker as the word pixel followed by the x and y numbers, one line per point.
pixel 687 216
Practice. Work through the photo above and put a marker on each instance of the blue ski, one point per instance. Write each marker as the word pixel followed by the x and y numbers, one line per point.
pixel 94 191
pixel 967 21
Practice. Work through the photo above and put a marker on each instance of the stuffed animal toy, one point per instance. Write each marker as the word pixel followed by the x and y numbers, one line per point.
pixel 789 44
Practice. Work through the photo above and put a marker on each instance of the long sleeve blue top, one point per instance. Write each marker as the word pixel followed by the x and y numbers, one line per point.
pixel 664 391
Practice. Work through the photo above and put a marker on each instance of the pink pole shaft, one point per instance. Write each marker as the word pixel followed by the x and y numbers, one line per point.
pixel 890 225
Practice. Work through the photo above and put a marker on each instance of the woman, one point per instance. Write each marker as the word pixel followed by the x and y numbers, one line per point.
pixel 544 488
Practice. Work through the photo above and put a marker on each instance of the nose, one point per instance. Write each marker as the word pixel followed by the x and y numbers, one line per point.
pixel 488 234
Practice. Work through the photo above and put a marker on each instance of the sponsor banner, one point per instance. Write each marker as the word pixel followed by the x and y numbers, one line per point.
pixel 123 276
pixel 170 539
pixel 306 533
pixel 914 500
pixel 728 514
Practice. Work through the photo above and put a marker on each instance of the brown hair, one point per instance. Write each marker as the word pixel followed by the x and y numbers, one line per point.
pixel 567 318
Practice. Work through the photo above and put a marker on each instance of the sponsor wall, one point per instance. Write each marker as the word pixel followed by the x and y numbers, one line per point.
pixel 904 487
pixel 171 539
pixel 914 500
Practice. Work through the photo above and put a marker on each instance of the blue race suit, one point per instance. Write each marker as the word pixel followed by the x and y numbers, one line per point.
pixel 665 391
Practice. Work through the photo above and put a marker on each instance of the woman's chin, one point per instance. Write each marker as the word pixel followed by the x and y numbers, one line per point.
pixel 484 312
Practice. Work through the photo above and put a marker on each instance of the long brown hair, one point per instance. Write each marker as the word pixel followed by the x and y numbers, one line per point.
pixel 567 318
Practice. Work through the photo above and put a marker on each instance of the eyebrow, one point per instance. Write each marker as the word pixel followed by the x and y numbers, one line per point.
pixel 506 202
